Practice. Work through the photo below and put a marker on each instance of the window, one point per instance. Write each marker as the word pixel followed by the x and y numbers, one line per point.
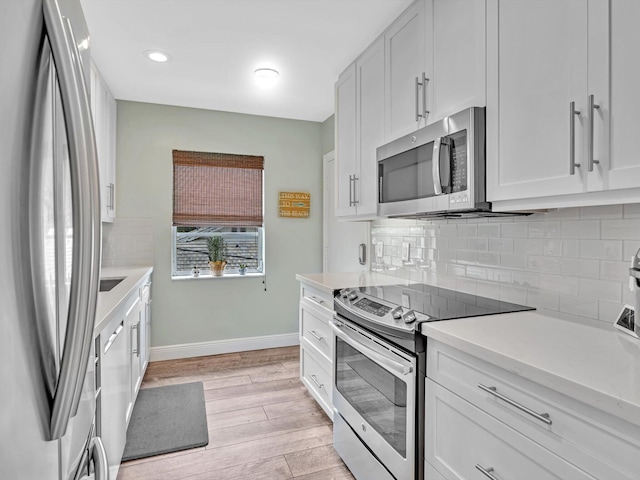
pixel 217 194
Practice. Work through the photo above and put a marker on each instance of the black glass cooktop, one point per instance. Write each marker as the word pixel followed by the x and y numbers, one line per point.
pixel 441 303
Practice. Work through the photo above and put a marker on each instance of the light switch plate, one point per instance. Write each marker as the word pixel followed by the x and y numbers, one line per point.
pixel 405 251
pixel 626 321
pixel 379 249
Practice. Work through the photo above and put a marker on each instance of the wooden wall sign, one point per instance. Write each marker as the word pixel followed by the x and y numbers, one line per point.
pixel 294 204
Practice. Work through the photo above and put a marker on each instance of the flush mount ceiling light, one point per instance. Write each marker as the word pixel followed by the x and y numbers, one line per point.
pixel 157 56
pixel 266 76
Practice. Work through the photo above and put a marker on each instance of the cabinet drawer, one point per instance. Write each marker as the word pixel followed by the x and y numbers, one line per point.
pixel 598 443
pixel 321 299
pixel 461 440
pixel 316 375
pixel 314 327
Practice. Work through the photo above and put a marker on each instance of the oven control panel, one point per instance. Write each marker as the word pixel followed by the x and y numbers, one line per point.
pixel 380 311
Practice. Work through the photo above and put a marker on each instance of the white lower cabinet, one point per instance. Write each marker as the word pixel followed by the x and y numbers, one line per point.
pixel 122 362
pixel 316 345
pixel 481 417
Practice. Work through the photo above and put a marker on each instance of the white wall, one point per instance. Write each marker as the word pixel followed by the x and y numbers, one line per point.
pixel 206 310
pixel 571 263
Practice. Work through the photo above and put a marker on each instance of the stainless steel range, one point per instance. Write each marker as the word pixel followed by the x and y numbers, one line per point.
pixel 379 370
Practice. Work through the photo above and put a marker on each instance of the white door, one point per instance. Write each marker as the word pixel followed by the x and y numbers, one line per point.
pixel 459 57
pixel 341 240
pixel 536 65
pixel 405 47
pixel 624 167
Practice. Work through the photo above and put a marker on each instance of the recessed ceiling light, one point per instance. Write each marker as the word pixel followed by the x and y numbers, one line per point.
pixel 266 76
pixel 157 56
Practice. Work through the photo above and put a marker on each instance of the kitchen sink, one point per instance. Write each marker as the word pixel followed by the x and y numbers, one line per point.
pixel 106 284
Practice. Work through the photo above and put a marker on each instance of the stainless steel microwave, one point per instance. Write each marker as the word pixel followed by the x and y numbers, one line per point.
pixel 437 171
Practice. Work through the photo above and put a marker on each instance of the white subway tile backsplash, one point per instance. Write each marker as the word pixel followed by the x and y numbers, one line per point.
pixel 581 229
pixel 128 242
pixel 600 289
pixel 571 261
pixel 625 229
pixel 601 249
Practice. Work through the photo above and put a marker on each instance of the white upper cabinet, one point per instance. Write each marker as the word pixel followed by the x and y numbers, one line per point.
pixel 370 122
pixel 560 103
pixel 458 58
pixel 624 165
pixel 103 107
pixel 405 66
pixel 537 62
pixel 359 132
pixel 345 141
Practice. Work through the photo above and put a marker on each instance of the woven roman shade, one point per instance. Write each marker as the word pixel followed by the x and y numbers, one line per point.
pixel 217 189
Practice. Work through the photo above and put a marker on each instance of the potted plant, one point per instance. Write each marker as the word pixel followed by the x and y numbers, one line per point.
pixel 217 260
pixel 242 268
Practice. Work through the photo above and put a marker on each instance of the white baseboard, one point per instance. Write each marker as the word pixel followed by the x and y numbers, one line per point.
pixel 201 349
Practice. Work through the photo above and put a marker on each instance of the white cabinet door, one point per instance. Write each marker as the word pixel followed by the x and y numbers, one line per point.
pixel 110 156
pixel 132 323
pixel 370 122
pixel 346 144
pixel 459 57
pixel 536 65
pixel 624 167
pixel 405 54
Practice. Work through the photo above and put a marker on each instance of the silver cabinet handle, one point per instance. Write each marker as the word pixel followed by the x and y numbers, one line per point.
pixel 113 336
pixel 136 327
pixel 315 380
pixel 315 335
pixel 85 198
pixel 572 138
pixel 488 472
pixel 417 102
pixel 355 192
pixel 319 301
pixel 362 257
pixel 592 106
pixel 422 84
pixel 543 417
pixel 351 190
pixel 425 80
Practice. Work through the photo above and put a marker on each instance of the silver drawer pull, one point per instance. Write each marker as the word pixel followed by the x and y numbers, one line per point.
pixel 315 380
pixel 543 417
pixel 488 472
pixel 316 299
pixel 315 335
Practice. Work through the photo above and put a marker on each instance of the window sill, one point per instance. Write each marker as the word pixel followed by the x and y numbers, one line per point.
pixel 208 276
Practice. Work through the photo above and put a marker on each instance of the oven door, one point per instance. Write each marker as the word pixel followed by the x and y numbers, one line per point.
pixel 375 392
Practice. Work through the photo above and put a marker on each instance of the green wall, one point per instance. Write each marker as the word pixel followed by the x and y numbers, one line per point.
pixel 328 134
pixel 203 310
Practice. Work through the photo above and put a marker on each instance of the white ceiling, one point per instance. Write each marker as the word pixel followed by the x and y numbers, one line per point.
pixel 215 45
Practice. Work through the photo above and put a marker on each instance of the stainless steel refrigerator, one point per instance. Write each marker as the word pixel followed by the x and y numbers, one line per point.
pixel 49 245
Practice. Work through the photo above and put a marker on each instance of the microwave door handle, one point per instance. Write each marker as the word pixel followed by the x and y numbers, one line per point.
pixel 435 162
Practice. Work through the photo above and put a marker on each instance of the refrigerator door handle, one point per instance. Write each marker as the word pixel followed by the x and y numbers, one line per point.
pixel 99 456
pixel 86 218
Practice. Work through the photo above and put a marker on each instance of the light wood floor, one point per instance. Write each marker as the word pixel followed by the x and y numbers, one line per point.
pixel 262 422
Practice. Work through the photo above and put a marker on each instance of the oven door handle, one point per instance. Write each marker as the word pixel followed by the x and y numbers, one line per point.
pixel 396 367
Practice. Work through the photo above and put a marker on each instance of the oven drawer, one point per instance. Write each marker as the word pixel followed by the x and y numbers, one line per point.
pixel 315 329
pixel 485 443
pixel 598 443
pixel 317 297
pixel 316 376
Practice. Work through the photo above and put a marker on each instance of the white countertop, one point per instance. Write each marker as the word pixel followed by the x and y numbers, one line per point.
pixel 109 301
pixel 598 366
pixel 329 282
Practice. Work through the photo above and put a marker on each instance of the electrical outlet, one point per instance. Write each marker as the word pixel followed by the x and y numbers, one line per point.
pixel 405 251
pixel 379 249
